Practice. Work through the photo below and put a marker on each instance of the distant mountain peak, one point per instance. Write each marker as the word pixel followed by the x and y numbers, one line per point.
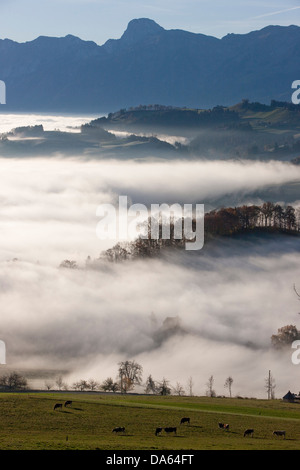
pixel 140 28
pixel 149 64
pixel 52 39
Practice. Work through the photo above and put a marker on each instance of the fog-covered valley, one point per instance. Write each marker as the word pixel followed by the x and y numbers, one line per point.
pixel 228 298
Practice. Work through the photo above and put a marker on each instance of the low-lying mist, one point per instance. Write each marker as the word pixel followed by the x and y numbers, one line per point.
pixel 230 297
pixel 48 206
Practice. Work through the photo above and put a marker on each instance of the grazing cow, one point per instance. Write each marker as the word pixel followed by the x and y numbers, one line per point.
pixel 249 432
pixel 158 431
pixel 224 426
pixel 279 433
pixel 168 430
pixel 185 420
pixel 68 403
pixel 119 429
pixel 57 405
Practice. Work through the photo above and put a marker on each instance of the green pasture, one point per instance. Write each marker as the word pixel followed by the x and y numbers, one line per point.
pixel 28 421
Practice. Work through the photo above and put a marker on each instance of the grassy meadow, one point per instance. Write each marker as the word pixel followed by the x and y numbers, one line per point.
pixel 28 421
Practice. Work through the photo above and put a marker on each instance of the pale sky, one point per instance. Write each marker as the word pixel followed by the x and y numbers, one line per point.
pixel 99 20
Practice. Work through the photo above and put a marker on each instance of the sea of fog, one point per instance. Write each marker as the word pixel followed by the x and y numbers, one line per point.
pixel 230 297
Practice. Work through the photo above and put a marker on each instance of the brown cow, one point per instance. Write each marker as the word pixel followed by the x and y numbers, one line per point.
pixel 57 405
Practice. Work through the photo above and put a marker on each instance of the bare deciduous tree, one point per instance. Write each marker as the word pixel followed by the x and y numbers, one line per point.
pixel 210 392
pixel 13 381
pixel 59 382
pixel 228 384
pixel 190 384
pixel 270 386
pixel 48 385
pixel 109 385
pixel 150 385
pixel 81 385
pixel 93 384
pixel 163 387
pixel 130 373
pixel 297 293
pixel 179 390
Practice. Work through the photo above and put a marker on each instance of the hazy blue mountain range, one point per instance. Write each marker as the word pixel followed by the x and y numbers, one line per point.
pixel 149 64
